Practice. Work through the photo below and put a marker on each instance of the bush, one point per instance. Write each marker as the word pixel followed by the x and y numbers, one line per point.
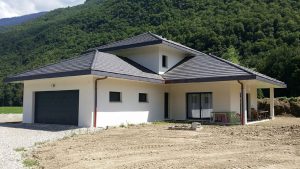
pixel 282 105
pixel 30 163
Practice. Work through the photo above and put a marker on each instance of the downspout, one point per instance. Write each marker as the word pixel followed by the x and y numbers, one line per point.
pixel 242 102
pixel 96 99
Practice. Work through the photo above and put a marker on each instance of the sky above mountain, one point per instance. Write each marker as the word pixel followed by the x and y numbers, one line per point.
pixel 12 8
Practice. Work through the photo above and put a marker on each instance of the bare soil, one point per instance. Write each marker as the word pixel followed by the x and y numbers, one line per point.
pixel 273 144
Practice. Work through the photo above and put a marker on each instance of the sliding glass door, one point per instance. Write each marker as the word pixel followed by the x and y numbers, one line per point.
pixel 199 105
pixel 193 104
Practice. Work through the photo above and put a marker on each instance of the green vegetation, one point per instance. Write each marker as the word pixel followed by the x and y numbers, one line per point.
pixel 30 163
pixel 11 110
pixel 39 143
pixel 264 35
pixel 20 149
pixel 160 122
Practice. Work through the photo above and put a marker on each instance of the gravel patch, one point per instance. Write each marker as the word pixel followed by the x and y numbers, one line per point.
pixel 10 118
pixel 16 136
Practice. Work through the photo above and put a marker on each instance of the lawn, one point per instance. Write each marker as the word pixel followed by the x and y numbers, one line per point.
pixel 11 110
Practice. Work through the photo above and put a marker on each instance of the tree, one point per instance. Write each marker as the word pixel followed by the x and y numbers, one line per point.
pixel 232 55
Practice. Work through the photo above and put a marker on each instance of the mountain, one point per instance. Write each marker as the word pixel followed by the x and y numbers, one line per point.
pixel 19 20
pixel 263 35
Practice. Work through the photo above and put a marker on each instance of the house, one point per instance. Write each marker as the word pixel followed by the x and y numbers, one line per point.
pixel 140 79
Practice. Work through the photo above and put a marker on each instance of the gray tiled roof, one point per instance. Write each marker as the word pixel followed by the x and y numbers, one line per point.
pixel 97 63
pixel 205 68
pixel 136 41
pixel 144 39
pixel 112 65
pixel 197 68
pixel 74 66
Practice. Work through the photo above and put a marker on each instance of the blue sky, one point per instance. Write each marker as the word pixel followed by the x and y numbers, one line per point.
pixel 11 8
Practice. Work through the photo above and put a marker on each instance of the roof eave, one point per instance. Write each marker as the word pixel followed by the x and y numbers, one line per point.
pixel 277 83
pixel 211 79
pixel 46 76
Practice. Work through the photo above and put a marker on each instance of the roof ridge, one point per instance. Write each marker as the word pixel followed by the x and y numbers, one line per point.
pixel 154 35
pixel 175 43
pixel 94 58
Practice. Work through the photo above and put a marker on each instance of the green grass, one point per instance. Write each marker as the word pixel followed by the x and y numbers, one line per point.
pixel 30 162
pixel 11 110
pixel 20 149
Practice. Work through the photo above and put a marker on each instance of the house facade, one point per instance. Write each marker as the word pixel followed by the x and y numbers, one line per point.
pixel 141 79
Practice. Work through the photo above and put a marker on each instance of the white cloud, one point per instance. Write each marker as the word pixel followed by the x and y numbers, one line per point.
pixel 11 8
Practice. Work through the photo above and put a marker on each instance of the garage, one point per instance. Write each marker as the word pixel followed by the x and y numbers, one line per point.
pixel 57 107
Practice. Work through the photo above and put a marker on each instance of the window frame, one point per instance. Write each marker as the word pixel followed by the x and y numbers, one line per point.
pixel 115 101
pixel 200 103
pixel 141 101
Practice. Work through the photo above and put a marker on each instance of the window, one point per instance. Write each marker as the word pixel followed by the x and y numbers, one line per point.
pixel 143 97
pixel 164 61
pixel 115 96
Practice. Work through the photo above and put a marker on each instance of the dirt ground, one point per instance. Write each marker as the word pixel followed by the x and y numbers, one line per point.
pixel 273 144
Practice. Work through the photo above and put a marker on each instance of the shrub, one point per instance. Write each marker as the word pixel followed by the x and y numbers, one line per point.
pixel 30 162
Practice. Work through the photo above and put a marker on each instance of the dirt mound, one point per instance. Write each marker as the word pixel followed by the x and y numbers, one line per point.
pixel 282 106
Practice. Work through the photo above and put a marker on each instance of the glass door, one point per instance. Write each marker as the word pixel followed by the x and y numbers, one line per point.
pixel 206 105
pixel 199 105
pixel 193 102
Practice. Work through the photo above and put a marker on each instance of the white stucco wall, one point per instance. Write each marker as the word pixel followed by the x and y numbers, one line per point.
pixel 173 57
pixel 235 91
pixel 225 96
pixel 151 56
pixel 130 110
pixel 147 56
pixel 82 83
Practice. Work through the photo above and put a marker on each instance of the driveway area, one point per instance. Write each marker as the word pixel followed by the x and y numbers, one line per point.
pixel 17 135
pixel 273 144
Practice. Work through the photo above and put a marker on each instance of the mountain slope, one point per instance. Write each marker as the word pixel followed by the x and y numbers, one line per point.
pixel 21 19
pixel 261 32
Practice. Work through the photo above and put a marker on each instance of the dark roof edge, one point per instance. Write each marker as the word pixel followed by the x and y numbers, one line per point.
pixel 124 76
pixel 138 78
pixel 212 79
pixel 154 42
pixel 46 76
pixel 82 72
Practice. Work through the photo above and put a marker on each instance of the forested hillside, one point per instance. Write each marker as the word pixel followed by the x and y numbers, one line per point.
pixel 264 35
pixel 19 20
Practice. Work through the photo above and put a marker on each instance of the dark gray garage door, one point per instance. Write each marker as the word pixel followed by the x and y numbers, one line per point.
pixel 57 107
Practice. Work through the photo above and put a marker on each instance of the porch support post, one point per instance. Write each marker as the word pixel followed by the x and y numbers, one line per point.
pixel 244 95
pixel 272 116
